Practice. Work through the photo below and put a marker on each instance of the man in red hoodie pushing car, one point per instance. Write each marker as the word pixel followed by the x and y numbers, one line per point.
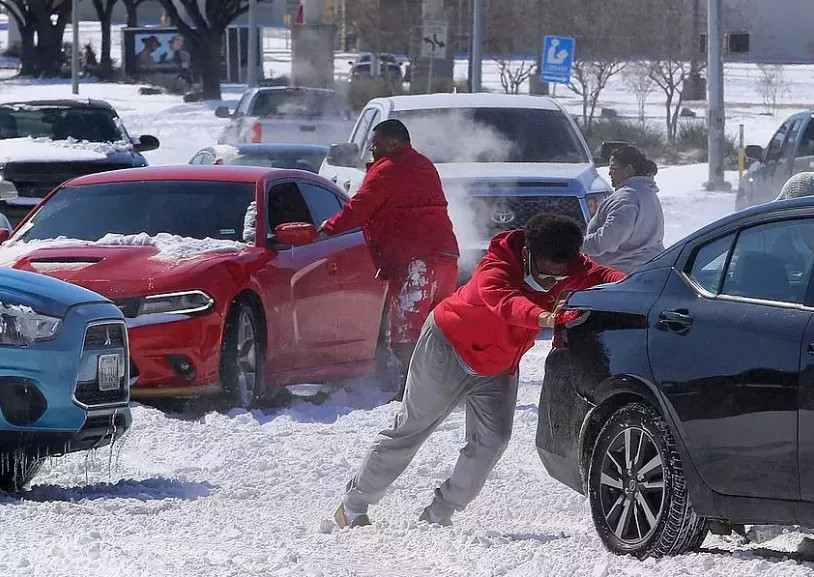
pixel 469 350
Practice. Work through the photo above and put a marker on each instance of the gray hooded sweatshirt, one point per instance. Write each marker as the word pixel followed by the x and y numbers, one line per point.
pixel 628 228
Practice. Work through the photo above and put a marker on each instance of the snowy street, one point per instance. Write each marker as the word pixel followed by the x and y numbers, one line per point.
pixel 253 493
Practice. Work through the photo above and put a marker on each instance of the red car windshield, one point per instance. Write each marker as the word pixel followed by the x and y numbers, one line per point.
pixel 191 209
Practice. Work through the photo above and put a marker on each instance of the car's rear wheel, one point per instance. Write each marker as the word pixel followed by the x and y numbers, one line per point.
pixel 636 487
pixel 17 471
pixel 242 358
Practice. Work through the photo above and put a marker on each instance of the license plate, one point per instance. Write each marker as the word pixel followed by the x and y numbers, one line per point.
pixel 108 372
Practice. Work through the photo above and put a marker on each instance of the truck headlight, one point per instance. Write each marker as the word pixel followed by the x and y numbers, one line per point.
pixel 180 303
pixel 20 326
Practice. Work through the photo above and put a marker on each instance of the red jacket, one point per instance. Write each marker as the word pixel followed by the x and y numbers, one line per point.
pixel 492 320
pixel 402 208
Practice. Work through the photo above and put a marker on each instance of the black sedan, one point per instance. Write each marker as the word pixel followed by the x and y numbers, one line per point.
pixel 685 393
pixel 300 156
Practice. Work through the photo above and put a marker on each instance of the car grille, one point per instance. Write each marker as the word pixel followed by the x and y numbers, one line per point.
pixel 37 179
pixel 129 307
pixel 102 337
pixel 495 214
pixel 108 336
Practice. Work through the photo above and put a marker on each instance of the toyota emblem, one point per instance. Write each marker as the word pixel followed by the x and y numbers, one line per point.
pixel 503 216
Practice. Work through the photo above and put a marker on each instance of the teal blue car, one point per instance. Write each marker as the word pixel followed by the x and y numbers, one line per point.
pixel 64 373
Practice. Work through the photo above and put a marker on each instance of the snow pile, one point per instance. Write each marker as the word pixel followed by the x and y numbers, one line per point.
pixel 45 149
pixel 168 246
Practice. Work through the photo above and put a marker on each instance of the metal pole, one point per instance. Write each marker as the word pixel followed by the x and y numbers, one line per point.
pixel 715 88
pixel 741 156
pixel 75 47
pixel 251 74
pixel 429 75
pixel 477 43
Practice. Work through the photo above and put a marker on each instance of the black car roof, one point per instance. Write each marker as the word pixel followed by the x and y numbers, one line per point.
pixel 65 102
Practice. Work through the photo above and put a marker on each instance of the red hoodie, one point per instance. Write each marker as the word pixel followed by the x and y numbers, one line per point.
pixel 402 209
pixel 492 320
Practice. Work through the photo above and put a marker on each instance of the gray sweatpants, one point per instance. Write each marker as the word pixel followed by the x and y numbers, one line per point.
pixel 436 383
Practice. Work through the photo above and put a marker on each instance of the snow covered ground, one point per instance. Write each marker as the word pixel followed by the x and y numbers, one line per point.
pixel 252 493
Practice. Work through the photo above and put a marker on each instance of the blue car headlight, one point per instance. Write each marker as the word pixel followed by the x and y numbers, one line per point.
pixel 21 326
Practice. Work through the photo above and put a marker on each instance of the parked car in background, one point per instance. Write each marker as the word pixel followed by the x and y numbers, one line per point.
pixel 225 287
pixel 297 156
pixel 684 392
pixel 286 114
pixel 64 383
pixel 790 150
pixel 368 65
pixel 501 158
pixel 46 142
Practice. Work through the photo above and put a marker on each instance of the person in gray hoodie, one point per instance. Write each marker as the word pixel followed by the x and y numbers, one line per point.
pixel 628 227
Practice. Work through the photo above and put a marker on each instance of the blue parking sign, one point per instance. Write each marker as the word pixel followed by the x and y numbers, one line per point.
pixel 558 58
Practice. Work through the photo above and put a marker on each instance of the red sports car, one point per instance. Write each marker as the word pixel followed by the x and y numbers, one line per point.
pixel 219 271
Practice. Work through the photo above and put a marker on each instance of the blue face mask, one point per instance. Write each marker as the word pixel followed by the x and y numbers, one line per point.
pixel 548 280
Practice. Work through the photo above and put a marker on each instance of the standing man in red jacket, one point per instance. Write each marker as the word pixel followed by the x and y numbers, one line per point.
pixel 403 211
pixel 470 349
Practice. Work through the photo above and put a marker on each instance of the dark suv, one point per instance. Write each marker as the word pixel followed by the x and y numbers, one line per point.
pixel 89 133
pixel 685 393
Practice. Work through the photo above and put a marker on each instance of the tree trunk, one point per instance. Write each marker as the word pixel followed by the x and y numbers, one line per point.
pixel 132 13
pixel 28 58
pixel 106 63
pixel 49 50
pixel 210 61
pixel 669 115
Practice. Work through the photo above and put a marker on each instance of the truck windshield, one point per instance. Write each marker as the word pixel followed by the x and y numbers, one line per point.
pixel 59 123
pixel 493 135
pixel 297 103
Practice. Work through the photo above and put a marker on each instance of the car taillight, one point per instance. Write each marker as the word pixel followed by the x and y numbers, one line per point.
pixel 566 318
pixel 257 132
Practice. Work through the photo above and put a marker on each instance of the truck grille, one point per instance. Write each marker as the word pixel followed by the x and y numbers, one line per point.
pixel 494 214
pixel 37 179
pixel 108 336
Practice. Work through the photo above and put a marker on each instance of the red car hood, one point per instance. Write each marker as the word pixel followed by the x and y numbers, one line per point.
pixel 117 271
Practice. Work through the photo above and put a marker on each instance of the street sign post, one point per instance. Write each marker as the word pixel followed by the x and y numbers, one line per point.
pixel 433 45
pixel 558 59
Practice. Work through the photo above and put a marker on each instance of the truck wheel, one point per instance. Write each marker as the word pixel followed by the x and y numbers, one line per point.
pixel 637 490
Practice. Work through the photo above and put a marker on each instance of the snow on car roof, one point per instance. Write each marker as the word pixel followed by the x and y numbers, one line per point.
pixel 479 100
pixel 45 149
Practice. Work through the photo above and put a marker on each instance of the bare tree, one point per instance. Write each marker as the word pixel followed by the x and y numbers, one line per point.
pixel 513 73
pixel 203 29
pixel 589 79
pixel 771 85
pixel 47 20
pixel 638 79
pixel 669 75
pixel 104 11
pixel 132 11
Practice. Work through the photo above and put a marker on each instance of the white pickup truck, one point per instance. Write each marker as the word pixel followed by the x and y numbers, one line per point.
pixel 501 158
pixel 283 114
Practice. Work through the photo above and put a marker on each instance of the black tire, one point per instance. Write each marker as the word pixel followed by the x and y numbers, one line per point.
pixel 242 363
pixel 17 471
pixel 637 490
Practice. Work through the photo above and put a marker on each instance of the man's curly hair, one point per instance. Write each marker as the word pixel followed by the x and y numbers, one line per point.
pixel 554 237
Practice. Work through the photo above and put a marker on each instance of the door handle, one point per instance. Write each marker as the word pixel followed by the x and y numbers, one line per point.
pixel 332 268
pixel 679 320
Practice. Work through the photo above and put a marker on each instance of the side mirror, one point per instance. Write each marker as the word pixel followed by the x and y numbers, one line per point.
pixel 295 233
pixel 222 112
pixel 146 142
pixel 4 235
pixel 345 154
pixel 754 152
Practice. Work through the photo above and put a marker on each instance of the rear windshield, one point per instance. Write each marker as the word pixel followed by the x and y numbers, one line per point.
pixel 59 123
pixel 296 104
pixel 493 135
